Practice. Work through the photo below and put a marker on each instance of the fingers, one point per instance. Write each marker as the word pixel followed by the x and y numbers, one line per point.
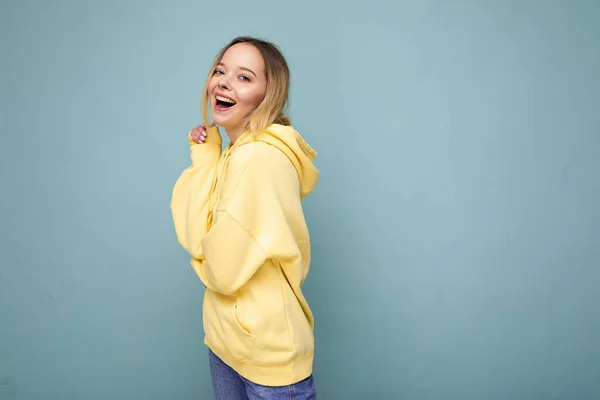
pixel 198 134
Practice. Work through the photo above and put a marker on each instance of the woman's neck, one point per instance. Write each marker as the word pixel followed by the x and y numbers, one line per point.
pixel 234 133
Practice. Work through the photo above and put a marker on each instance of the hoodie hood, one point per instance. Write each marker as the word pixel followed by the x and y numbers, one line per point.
pixel 297 150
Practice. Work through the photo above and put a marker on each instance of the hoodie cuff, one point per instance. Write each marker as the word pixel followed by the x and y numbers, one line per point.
pixel 207 152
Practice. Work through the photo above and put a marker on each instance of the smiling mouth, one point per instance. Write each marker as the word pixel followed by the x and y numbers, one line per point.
pixel 224 103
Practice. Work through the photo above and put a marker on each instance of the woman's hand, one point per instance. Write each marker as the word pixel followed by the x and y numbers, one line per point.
pixel 198 134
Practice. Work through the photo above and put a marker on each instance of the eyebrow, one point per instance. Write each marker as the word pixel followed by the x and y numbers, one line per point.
pixel 242 68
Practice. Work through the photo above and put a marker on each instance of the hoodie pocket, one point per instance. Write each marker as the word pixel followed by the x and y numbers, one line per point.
pixel 224 330
pixel 240 325
pixel 242 343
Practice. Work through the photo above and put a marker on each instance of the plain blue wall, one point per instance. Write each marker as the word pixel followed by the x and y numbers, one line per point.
pixel 456 227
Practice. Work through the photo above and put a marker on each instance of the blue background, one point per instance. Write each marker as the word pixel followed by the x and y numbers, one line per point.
pixel 456 227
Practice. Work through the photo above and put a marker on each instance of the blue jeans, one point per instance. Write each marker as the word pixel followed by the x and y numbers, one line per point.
pixel 229 385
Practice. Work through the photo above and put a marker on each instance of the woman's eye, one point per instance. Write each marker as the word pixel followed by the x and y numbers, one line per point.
pixel 218 72
pixel 244 78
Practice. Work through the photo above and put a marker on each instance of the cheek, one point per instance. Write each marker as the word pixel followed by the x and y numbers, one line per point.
pixel 211 85
pixel 251 97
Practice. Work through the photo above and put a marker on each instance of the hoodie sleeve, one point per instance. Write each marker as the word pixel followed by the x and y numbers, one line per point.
pixel 259 201
pixel 191 193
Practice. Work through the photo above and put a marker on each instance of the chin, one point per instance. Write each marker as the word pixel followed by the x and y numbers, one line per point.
pixel 222 122
pixel 218 121
pixel 226 122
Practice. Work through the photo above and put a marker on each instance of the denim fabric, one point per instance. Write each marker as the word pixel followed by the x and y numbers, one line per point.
pixel 229 385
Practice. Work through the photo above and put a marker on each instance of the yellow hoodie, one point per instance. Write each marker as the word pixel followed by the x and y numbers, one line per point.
pixel 238 213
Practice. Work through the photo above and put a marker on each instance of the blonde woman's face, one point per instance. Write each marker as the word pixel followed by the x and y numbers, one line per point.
pixel 237 87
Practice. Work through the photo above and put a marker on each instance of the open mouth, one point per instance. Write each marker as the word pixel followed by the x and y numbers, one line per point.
pixel 224 103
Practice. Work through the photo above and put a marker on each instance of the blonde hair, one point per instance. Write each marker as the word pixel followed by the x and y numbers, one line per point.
pixel 271 109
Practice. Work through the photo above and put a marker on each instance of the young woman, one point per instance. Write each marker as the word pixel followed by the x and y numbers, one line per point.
pixel 238 213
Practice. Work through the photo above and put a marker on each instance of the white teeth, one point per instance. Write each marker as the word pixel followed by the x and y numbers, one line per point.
pixel 225 99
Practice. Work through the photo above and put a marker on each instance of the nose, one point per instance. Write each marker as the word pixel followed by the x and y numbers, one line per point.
pixel 224 82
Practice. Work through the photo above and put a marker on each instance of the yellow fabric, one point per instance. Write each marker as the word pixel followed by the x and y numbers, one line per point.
pixel 239 215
